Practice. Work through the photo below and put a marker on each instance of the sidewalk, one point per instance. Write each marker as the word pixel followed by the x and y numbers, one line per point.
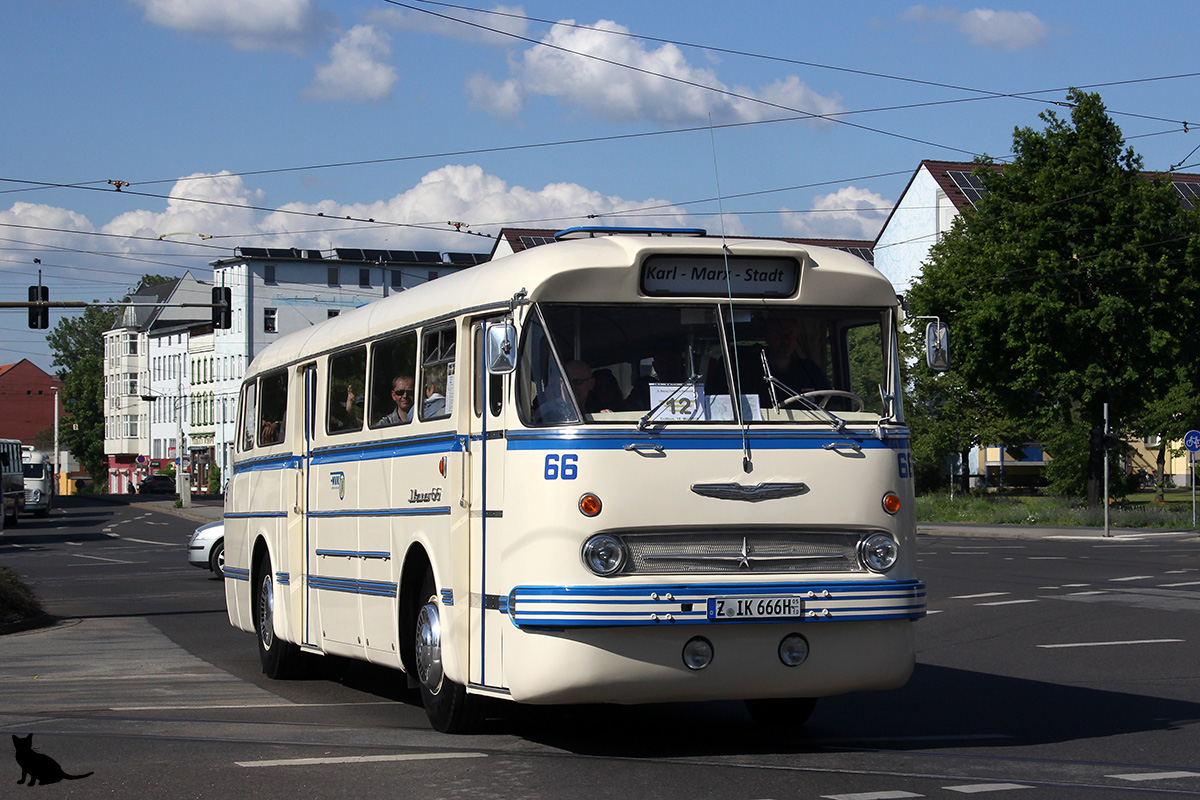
pixel 1041 531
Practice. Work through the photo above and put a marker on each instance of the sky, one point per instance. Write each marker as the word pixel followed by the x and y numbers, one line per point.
pixel 155 136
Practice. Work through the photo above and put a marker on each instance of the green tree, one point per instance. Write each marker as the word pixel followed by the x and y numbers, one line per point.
pixel 78 347
pixel 1071 285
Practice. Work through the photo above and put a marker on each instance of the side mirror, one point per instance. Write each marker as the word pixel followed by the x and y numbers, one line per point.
pixel 501 348
pixel 937 346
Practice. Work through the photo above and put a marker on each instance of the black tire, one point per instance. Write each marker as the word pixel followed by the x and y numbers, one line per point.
pixel 216 559
pixel 11 521
pixel 791 712
pixel 280 659
pixel 449 708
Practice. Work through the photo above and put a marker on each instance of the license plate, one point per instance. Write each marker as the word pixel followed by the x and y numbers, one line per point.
pixel 773 607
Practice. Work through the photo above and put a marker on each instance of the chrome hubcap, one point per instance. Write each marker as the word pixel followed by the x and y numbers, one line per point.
pixel 429 648
pixel 266 612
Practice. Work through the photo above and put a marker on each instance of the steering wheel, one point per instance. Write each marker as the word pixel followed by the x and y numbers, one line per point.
pixel 822 397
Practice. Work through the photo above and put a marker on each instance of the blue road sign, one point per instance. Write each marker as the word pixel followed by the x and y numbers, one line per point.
pixel 1191 440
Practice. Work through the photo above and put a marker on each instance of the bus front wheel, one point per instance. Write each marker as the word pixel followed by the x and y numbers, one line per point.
pixel 279 658
pixel 449 708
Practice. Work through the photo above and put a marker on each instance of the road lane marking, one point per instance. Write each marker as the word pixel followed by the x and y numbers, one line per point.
pixel 147 541
pixel 1006 602
pixel 297 762
pixel 1133 578
pixel 976 788
pixel 101 558
pixel 1082 594
pixel 871 796
pixel 1173 585
pixel 1154 776
pixel 1109 644
pixel 977 596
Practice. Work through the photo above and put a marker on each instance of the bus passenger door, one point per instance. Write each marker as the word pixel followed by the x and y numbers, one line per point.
pixel 485 496
pixel 300 542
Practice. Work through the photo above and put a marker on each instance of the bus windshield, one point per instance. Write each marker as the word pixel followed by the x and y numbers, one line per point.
pixel 685 363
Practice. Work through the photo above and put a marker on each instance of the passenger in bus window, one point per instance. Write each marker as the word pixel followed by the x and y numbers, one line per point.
pixel 435 400
pixel 667 366
pixel 554 404
pixel 788 363
pixel 402 395
pixel 271 432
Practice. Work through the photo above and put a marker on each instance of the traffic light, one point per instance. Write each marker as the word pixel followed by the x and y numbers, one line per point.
pixel 222 312
pixel 39 316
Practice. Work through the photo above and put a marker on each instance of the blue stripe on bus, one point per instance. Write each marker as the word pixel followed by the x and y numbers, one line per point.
pixel 352 586
pixel 384 512
pixel 237 573
pixel 283 578
pixel 730 440
pixel 288 461
pixel 354 553
pixel 425 445
pixel 595 606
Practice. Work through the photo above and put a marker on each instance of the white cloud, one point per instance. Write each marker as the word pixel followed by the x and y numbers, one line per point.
pixel 224 206
pixel 848 213
pixel 501 98
pixel 996 30
pixel 460 193
pixel 356 71
pixel 292 25
pixel 481 26
pixel 605 89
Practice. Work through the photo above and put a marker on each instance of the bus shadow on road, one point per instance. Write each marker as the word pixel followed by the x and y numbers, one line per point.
pixel 941 707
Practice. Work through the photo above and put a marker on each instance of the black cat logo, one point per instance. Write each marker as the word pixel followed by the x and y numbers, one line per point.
pixel 38 767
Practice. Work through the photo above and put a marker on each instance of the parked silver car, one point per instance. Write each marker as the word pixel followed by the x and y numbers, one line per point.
pixel 207 548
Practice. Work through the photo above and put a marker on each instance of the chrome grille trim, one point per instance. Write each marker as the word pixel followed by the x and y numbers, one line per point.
pixel 746 551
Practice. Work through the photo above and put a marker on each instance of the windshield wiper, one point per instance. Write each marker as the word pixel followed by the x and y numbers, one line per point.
pixel 645 420
pixel 837 422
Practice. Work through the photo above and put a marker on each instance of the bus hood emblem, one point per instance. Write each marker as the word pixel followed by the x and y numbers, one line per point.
pixel 749 494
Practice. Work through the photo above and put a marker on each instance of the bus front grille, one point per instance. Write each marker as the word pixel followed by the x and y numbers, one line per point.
pixel 771 551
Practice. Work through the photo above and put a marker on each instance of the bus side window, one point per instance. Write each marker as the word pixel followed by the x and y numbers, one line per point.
pixel 347 379
pixel 437 373
pixel 249 415
pixel 393 381
pixel 273 408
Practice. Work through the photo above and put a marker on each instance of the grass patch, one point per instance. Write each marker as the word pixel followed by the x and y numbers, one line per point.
pixel 1064 511
pixel 17 601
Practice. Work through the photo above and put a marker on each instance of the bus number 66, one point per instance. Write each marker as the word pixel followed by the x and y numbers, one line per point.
pixel 563 467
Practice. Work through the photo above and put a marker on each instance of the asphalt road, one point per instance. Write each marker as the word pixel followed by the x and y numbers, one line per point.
pixel 1052 664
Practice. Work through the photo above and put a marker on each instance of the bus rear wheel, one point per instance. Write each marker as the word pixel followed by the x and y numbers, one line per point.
pixel 449 708
pixel 280 659
pixel 790 712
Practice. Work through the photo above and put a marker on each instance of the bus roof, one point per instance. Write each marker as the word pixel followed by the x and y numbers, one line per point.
pixel 582 270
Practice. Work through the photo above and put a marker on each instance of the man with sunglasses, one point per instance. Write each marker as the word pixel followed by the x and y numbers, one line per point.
pixel 402 394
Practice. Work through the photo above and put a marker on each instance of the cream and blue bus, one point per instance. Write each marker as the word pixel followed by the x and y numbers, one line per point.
pixel 624 467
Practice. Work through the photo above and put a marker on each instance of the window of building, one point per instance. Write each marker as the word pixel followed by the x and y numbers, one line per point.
pixel 269 274
pixel 330 313
pixel 364 277
pixel 335 278
pixel 131 426
pixel 269 320
pixel 397 279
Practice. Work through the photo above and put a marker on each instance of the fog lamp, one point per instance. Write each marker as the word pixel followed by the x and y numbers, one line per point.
pixel 697 653
pixel 793 650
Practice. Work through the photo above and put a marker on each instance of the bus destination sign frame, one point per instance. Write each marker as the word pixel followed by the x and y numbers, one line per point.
pixel 682 275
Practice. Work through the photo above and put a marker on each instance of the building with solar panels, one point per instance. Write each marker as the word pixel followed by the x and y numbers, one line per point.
pixel 937 193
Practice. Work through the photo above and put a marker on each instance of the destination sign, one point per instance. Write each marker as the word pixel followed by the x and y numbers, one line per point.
pixel 705 276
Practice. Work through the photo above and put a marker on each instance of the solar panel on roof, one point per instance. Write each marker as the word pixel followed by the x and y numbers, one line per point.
pixel 349 253
pixel 1188 193
pixel 534 241
pixel 313 255
pixel 969 185
pixel 253 252
pixel 428 257
pixel 375 255
pixel 401 256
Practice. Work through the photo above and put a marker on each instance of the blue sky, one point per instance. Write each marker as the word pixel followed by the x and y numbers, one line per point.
pixel 240 120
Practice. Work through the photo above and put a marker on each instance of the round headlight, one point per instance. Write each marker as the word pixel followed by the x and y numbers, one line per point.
pixel 879 552
pixel 603 554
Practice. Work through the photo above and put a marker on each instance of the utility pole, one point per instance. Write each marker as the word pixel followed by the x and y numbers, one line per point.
pixel 57 474
pixel 184 488
pixel 1104 440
